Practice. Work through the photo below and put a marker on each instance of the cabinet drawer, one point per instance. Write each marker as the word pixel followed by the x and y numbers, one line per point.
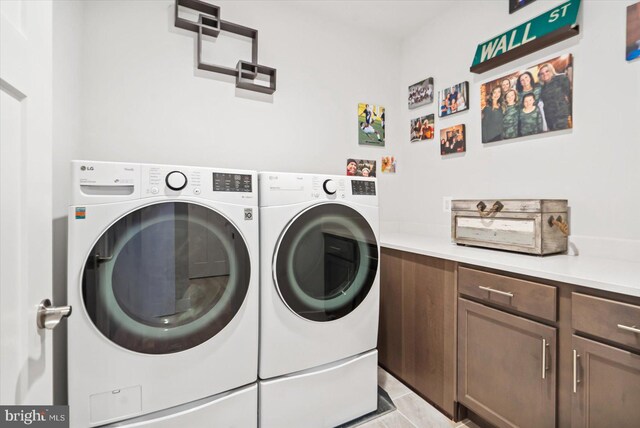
pixel 527 297
pixel 608 319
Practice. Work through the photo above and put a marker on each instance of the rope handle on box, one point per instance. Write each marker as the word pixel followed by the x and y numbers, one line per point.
pixel 560 224
pixel 497 207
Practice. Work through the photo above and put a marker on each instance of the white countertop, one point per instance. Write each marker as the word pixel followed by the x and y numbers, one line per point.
pixel 617 276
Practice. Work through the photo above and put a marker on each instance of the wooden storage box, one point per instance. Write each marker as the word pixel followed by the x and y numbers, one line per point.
pixel 533 226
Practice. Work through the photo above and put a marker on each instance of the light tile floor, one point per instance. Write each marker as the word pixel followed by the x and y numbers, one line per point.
pixel 411 410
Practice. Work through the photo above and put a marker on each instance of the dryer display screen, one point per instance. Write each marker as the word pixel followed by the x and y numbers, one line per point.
pixel 362 187
pixel 231 182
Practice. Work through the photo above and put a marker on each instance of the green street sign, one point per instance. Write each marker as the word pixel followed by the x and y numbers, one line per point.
pixel 540 27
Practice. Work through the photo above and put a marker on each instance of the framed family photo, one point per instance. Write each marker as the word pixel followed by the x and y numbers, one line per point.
pixel 453 99
pixel 421 128
pixel 421 93
pixel 531 101
pixel 361 167
pixel 370 125
pixel 453 140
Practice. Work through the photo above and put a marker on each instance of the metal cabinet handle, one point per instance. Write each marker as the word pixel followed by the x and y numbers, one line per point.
pixel 545 366
pixel 632 329
pixel 49 316
pixel 496 208
pixel 491 290
pixel 576 381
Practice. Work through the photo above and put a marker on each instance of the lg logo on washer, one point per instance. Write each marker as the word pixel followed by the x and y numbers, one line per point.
pixel 86 168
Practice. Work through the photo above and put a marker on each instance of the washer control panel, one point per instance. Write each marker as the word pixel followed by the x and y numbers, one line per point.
pixel 209 183
pixel 224 182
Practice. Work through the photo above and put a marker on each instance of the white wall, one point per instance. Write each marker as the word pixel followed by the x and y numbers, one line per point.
pixel 594 166
pixel 144 101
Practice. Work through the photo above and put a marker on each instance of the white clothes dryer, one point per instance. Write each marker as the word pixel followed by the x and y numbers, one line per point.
pixel 162 269
pixel 319 299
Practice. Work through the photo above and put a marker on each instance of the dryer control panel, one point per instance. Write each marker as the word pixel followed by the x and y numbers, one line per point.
pixel 290 188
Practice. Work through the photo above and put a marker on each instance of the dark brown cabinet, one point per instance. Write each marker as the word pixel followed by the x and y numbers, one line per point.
pixel 509 350
pixel 506 367
pixel 417 324
pixel 606 386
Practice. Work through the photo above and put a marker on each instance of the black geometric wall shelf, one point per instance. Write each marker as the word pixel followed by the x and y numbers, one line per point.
pixel 210 24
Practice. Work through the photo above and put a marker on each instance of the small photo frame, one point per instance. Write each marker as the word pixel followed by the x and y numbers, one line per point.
pixel 422 128
pixel 361 167
pixel 453 100
pixel 370 125
pixel 516 5
pixel 388 165
pixel 421 93
pixel 453 140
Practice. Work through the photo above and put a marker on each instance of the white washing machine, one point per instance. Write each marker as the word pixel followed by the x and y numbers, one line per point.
pixel 163 280
pixel 319 299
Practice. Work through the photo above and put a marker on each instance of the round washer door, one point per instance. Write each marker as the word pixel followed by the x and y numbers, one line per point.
pixel 326 262
pixel 166 277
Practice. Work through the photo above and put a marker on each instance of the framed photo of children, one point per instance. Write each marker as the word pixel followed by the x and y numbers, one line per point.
pixel 453 140
pixel 454 99
pixel 422 128
pixel 527 102
pixel 515 5
pixel 421 93
pixel 370 125
pixel 361 167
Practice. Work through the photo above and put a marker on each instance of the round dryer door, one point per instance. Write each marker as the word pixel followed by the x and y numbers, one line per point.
pixel 326 262
pixel 166 277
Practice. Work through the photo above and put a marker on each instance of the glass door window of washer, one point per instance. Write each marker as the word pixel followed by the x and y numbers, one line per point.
pixel 326 262
pixel 166 277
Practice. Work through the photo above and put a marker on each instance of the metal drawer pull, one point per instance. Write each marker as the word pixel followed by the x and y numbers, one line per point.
pixel 576 381
pixel 491 290
pixel 633 329
pixel 545 366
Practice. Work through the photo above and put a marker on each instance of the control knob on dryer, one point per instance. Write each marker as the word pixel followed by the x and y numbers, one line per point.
pixel 329 187
pixel 176 180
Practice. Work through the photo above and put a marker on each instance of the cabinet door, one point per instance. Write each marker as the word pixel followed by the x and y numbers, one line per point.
pixel 428 345
pixel 606 389
pixel 506 367
pixel 390 327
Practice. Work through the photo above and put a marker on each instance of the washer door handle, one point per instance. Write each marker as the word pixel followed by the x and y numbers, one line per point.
pixel 49 316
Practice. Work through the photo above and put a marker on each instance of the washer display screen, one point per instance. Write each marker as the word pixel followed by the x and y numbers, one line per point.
pixel 166 277
pixel 326 262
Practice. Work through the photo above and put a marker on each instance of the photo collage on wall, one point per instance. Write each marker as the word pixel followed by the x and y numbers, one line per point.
pixel 451 100
pixel 528 102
